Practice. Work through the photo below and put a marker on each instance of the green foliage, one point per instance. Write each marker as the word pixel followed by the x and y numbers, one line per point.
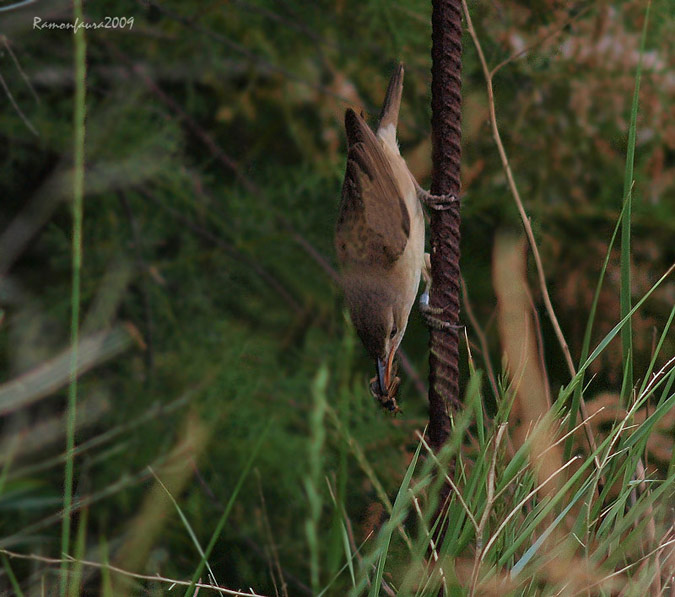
pixel 213 163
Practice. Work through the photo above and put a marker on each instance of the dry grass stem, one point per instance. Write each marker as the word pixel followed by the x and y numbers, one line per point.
pixel 670 543
pixel 432 543
pixel 450 482
pixel 489 502
pixel 127 573
pixel 525 219
pixel 521 503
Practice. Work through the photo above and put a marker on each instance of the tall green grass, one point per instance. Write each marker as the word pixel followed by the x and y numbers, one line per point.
pixel 79 115
pixel 508 530
pixel 628 182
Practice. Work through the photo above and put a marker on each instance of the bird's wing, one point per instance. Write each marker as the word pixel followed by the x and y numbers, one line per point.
pixel 373 223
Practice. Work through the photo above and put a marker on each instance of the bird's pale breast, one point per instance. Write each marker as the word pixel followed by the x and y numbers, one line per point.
pixel 408 267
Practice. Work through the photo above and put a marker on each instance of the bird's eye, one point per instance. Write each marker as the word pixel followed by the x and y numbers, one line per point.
pixel 393 333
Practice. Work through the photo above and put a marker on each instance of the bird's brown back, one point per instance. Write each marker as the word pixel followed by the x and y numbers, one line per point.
pixel 373 222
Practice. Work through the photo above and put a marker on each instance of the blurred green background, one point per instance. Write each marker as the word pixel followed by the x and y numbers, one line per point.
pixel 215 153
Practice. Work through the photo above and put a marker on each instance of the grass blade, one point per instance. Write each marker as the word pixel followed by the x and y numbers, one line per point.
pixel 318 436
pixel 400 504
pixel 78 200
pixel 657 351
pixel 12 577
pixel 529 554
pixel 578 390
pixel 619 326
pixel 190 591
pixel 186 524
pixel 626 332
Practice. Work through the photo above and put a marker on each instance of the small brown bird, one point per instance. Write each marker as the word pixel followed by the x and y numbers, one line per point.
pixel 379 237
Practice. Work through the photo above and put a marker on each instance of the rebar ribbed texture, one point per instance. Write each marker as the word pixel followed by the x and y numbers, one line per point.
pixel 446 103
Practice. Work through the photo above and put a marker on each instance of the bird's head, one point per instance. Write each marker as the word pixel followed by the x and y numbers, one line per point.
pixel 380 320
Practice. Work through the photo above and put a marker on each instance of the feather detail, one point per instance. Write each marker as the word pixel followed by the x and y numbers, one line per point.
pixel 392 101
pixel 373 222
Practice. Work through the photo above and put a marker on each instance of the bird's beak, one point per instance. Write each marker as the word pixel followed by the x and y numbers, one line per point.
pixel 382 377
pixel 384 373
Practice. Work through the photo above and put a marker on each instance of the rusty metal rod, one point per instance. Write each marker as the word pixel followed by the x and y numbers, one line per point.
pixel 446 103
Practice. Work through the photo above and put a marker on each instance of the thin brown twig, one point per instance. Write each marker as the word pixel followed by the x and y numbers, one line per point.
pixel 17 64
pixel 527 225
pixel 23 117
pixel 128 573
pixel 516 194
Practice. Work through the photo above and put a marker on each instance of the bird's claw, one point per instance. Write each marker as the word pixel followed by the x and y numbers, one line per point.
pixel 429 314
pixel 437 202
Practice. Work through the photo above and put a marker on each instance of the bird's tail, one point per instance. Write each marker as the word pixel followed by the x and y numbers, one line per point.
pixel 392 101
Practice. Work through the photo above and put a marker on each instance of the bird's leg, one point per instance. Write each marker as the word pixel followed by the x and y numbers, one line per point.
pixel 429 313
pixel 426 275
pixel 437 202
